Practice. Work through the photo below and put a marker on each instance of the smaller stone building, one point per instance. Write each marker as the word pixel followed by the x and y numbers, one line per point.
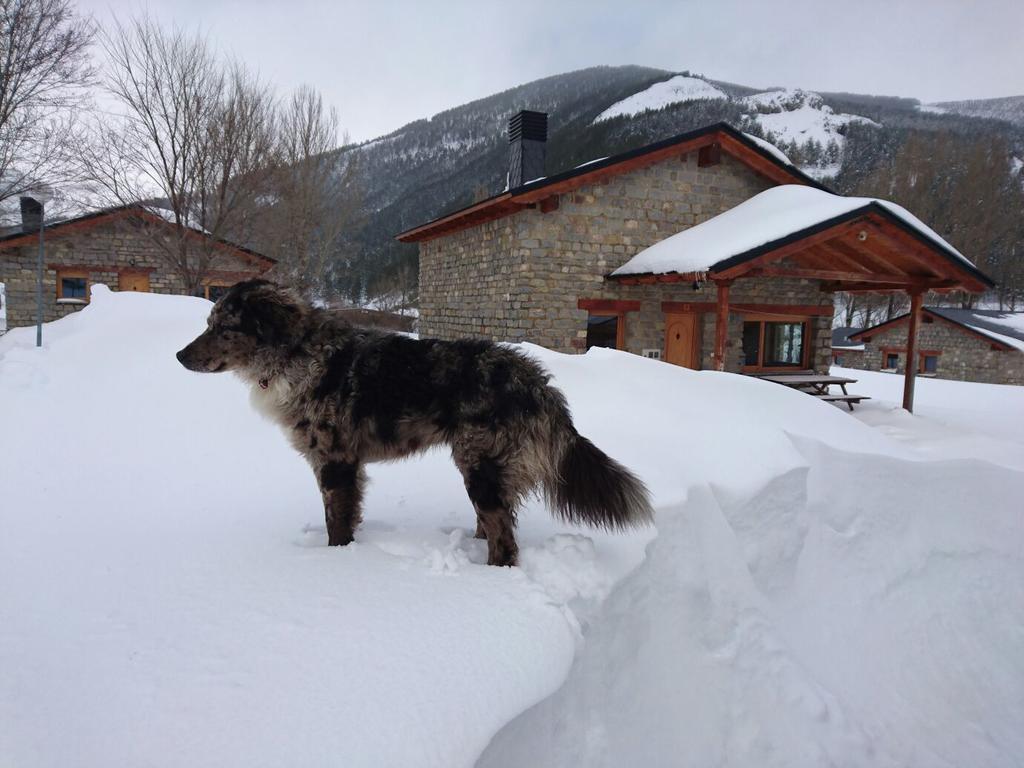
pixel 114 246
pixel 962 344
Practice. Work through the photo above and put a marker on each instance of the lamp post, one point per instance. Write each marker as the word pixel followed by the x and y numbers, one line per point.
pixel 41 195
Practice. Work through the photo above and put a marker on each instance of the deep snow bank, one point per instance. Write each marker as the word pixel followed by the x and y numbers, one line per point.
pixel 168 599
pixel 868 611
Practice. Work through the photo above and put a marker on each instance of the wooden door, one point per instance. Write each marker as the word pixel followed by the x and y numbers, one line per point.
pixel 133 281
pixel 681 339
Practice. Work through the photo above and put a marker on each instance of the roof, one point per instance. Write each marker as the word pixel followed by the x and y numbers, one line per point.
pixel 773 216
pixel 756 154
pixel 841 338
pixel 105 215
pixel 1003 328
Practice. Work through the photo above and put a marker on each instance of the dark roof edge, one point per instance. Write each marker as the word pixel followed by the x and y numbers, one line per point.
pixel 630 155
pixel 679 138
pixel 931 311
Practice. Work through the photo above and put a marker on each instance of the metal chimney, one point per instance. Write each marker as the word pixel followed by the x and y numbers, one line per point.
pixel 527 138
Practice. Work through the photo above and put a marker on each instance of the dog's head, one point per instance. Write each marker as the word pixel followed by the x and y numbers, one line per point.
pixel 252 318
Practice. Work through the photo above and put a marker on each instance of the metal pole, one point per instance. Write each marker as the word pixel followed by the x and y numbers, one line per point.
pixel 39 281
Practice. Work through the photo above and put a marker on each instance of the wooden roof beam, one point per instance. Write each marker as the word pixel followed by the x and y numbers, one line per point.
pixel 828 274
pixel 789 249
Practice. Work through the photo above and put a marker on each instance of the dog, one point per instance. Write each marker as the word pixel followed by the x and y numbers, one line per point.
pixel 347 396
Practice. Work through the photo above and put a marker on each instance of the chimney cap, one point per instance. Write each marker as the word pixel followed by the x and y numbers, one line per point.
pixel 528 124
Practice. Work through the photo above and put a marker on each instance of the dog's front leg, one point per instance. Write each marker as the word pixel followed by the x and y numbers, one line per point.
pixel 341 483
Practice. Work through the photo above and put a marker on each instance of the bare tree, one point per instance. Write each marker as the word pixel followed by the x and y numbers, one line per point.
pixel 313 195
pixel 44 70
pixel 195 133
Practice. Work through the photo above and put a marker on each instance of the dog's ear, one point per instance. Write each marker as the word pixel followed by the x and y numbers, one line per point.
pixel 273 315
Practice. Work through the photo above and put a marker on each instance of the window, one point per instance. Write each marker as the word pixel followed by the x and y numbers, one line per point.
pixel 929 363
pixel 774 344
pixel 892 361
pixel 604 331
pixel 72 286
pixel 215 291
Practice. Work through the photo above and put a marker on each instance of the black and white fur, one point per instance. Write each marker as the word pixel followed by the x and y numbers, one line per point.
pixel 347 396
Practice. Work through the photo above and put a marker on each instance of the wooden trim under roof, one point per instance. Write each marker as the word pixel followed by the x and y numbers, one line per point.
pixel 721 135
pixel 98 218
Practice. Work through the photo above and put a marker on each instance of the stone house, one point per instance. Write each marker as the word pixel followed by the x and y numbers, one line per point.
pixel 708 250
pixel 842 344
pixel 962 344
pixel 114 246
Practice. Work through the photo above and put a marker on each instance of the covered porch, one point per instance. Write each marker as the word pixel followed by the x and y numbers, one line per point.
pixel 796 233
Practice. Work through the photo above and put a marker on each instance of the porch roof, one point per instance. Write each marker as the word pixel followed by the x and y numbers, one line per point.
pixel 853 243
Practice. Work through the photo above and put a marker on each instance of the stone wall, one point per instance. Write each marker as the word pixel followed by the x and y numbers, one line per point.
pixel 962 355
pixel 520 277
pixel 113 249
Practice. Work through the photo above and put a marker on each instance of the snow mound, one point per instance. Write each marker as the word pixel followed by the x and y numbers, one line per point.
pixel 169 600
pixel 676 90
pixel 861 613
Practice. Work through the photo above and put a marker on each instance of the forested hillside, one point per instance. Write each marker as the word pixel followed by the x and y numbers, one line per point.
pixel 955 164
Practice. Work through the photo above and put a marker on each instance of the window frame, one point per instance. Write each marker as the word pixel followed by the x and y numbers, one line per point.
pixel 620 326
pixel 72 273
pixel 213 284
pixel 805 352
pixel 921 363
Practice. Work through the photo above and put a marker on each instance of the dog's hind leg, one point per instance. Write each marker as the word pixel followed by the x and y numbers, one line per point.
pixel 341 484
pixel 494 512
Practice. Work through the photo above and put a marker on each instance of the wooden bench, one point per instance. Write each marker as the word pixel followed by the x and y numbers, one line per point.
pixel 848 399
pixel 817 384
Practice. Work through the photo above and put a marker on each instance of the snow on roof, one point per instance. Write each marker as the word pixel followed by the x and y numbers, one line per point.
pixel 676 90
pixel 771 149
pixel 1002 326
pixel 771 215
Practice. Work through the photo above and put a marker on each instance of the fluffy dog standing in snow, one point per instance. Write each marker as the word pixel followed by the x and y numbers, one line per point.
pixel 347 396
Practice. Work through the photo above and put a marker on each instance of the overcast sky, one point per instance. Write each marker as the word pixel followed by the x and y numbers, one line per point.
pixel 386 63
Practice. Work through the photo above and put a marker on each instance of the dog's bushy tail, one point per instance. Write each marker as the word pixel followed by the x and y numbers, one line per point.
pixel 590 487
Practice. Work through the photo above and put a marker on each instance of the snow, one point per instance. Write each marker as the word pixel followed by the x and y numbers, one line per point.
pixel 676 90
pixel 818 588
pixel 934 109
pixel 764 218
pixel 771 149
pixel 952 419
pixel 794 115
pixel 1012 321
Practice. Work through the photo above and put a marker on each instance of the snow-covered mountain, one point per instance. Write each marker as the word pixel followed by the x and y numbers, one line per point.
pixel 676 90
pixel 1010 108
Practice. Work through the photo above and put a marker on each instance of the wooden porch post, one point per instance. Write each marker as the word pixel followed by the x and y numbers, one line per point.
pixel 721 323
pixel 910 374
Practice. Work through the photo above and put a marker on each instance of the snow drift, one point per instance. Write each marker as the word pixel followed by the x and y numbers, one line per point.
pixel 168 599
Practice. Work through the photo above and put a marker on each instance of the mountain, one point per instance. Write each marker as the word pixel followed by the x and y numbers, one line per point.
pixel 1010 108
pixel 436 165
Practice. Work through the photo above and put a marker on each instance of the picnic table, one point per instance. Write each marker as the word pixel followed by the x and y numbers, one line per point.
pixel 817 384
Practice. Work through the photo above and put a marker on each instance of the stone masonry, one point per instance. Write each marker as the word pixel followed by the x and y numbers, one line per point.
pixel 519 278
pixel 111 251
pixel 962 355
